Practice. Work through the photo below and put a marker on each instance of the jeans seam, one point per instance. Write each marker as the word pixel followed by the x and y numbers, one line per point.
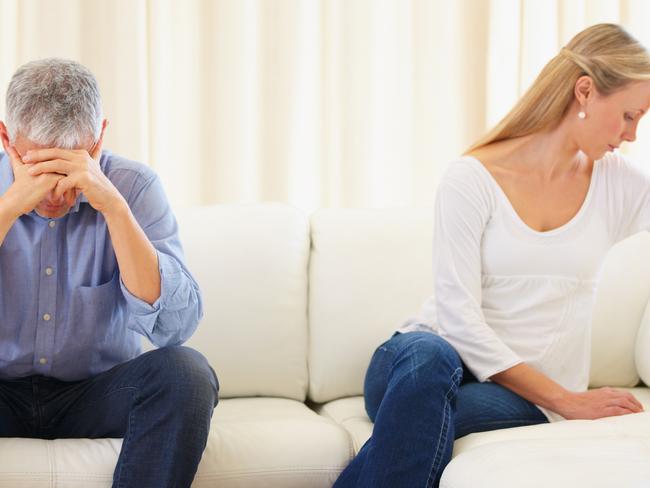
pixel 444 431
pixel 125 444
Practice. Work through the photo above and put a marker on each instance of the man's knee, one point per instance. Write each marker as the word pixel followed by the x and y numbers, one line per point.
pixel 184 370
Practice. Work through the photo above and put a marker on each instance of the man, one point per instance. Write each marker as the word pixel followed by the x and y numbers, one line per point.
pixel 90 261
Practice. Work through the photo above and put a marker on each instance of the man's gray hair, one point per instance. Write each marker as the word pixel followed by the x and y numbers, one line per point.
pixel 54 102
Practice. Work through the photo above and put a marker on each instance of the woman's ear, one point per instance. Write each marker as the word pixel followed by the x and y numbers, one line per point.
pixel 584 90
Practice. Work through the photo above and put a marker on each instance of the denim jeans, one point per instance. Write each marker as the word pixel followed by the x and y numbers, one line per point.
pixel 160 403
pixel 421 397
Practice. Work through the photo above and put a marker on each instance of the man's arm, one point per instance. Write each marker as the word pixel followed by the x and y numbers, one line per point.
pixel 7 219
pixel 162 298
pixel 136 256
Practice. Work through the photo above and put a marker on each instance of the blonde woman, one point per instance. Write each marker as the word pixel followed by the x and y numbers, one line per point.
pixel 523 222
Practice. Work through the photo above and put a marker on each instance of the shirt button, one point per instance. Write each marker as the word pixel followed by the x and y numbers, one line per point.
pixel 51 223
pixel 49 271
pixel 47 317
pixel 42 360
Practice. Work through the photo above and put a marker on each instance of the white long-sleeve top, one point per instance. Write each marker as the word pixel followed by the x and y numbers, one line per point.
pixel 505 293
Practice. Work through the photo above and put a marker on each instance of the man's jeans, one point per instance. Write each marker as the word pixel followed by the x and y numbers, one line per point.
pixel 160 402
pixel 421 397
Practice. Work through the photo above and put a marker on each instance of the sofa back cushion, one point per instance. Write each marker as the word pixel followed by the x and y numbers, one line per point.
pixel 251 264
pixel 371 269
pixel 623 292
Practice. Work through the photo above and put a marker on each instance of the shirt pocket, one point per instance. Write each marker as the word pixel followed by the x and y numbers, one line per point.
pixel 93 327
pixel 95 304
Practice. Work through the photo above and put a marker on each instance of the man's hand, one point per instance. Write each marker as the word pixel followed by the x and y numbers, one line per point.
pixel 80 171
pixel 27 190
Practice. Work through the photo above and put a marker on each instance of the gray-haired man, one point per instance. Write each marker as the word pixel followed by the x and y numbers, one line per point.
pixel 90 261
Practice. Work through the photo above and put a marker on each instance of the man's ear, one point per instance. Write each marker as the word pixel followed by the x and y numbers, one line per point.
pixel 4 133
pixel 4 136
pixel 584 90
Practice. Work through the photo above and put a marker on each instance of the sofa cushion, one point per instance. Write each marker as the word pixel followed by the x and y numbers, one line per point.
pixel 259 442
pixel 251 264
pixel 72 463
pixel 369 271
pixel 351 415
pixel 621 298
pixel 253 442
pixel 543 463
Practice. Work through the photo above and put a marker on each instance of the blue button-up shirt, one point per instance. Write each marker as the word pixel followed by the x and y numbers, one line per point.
pixel 64 311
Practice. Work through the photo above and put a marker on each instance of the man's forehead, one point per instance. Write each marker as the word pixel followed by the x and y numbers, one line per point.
pixel 26 144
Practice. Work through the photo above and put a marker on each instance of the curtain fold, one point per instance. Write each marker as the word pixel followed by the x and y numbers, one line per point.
pixel 357 103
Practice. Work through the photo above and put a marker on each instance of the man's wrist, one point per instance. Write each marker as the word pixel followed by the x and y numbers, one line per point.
pixel 117 209
pixel 8 209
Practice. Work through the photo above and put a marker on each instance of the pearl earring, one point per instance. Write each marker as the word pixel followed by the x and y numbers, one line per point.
pixel 581 114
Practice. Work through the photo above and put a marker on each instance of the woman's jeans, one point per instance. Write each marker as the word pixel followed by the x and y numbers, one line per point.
pixel 160 403
pixel 421 398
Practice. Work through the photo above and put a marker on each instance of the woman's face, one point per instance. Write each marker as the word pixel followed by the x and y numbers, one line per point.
pixel 612 119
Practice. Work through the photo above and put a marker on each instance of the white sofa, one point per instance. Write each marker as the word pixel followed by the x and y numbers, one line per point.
pixel 294 309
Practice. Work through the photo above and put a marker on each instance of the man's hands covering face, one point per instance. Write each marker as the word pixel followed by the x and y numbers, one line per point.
pixel 27 191
pixel 76 171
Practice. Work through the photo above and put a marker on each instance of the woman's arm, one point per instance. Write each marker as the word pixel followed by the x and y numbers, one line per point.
pixel 539 389
pixel 463 208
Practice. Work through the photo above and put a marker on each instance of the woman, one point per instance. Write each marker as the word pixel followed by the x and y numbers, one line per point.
pixel 523 222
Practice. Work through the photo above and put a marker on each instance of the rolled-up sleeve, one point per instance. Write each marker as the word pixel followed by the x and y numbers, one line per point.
pixel 175 315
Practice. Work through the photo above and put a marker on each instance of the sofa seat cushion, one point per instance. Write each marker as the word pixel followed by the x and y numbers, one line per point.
pixel 350 413
pixel 253 442
pixel 259 442
pixel 69 463
pixel 558 463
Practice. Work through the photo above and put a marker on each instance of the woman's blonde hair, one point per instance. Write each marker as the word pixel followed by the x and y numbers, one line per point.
pixel 605 52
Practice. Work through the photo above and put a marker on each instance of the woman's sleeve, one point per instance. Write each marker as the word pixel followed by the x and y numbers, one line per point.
pixel 630 185
pixel 462 211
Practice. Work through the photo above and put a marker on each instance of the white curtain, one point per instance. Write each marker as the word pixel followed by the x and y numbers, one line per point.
pixel 312 102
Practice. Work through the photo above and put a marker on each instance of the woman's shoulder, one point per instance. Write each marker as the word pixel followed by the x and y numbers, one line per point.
pixel 468 169
pixel 619 168
pixel 466 181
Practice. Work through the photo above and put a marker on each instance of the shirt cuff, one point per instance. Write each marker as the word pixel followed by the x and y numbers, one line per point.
pixel 144 314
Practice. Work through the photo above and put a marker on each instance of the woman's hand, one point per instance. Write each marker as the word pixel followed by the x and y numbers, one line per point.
pixel 598 403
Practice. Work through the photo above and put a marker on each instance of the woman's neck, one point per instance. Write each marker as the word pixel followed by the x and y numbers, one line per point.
pixel 549 155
